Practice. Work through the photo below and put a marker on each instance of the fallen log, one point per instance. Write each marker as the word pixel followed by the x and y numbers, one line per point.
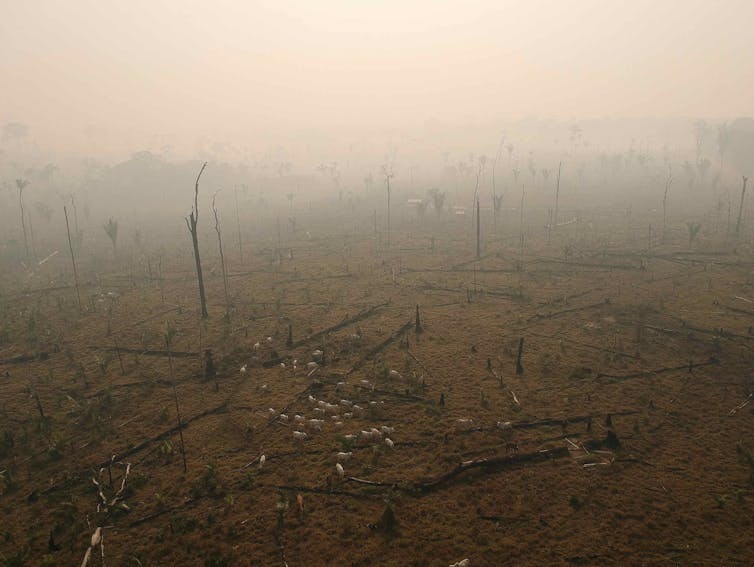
pixel 565 420
pixel 621 377
pixel 537 316
pixel 23 358
pixel 586 345
pixel 159 513
pixel 380 347
pixel 411 354
pixel 147 352
pixel 486 465
pixel 492 464
pixel 160 436
pixel 315 279
pixel 349 321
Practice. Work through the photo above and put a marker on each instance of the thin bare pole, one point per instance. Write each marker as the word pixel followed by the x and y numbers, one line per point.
pixel 478 231
pixel 523 194
pixel 741 206
pixel 665 204
pixel 238 226
pixel 557 196
pixel 21 183
pixel 495 205
pixel 222 255
pixel 387 180
pixel 73 260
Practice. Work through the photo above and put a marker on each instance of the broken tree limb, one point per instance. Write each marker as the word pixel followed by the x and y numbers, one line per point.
pixel 740 406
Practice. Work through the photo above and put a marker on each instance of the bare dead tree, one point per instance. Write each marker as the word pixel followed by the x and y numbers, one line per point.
pixel 665 203
pixel 191 221
pixel 557 195
pixel 73 260
pixel 478 232
pixel 723 141
pixel 238 227
pixel 387 171
pixel 21 184
pixel 476 208
pixel 496 202
pixel 521 220
pixel 554 212
pixel 741 205
pixel 222 255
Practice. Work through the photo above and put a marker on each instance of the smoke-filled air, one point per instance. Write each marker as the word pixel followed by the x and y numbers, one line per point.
pixel 338 282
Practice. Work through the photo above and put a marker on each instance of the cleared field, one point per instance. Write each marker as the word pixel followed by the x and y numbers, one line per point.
pixel 626 439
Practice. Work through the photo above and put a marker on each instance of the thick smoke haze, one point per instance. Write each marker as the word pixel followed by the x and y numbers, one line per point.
pixel 233 79
pixel 376 282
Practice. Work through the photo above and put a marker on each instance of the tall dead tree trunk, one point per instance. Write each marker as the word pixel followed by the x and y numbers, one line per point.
pixel 222 256
pixel 741 205
pixel 191 221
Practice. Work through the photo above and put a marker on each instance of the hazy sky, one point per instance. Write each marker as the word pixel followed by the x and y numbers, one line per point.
pixel 137 72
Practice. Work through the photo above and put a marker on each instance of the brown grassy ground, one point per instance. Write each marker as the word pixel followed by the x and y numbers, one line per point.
pixel 678 490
